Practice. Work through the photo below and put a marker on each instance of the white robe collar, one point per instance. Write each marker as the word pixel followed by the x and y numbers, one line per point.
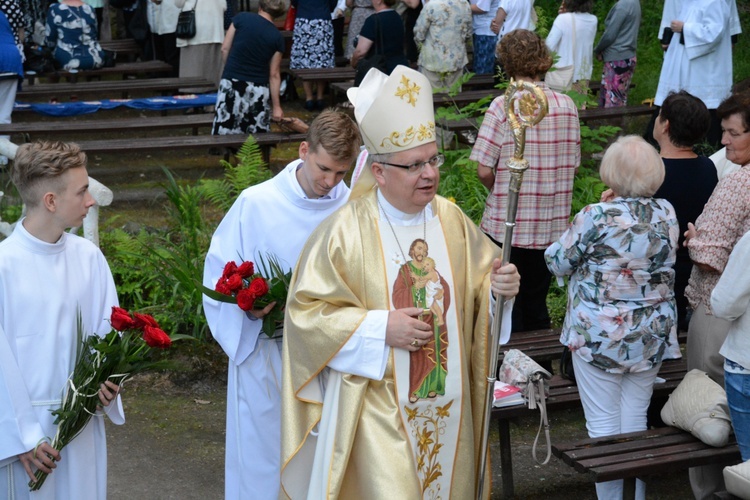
pixel 34 244
pixel 402 218
pixel 290 187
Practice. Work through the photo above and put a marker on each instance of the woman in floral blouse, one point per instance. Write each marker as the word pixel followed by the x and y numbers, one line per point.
pixel 621 315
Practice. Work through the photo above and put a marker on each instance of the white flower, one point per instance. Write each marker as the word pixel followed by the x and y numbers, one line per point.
pixel 397 259
pixel 615 322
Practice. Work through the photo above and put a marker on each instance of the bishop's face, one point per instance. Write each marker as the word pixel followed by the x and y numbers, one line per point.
pixel 409 192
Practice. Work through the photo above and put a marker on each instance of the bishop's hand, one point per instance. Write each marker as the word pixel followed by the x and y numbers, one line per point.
pixel 505 280
pixel 405 330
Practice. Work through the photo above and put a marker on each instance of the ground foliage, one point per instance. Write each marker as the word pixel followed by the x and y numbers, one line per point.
pixel 156 269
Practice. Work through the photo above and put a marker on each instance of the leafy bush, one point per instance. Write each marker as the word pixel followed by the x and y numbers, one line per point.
pixel 249 171
pixel 459 183
pixel 157 270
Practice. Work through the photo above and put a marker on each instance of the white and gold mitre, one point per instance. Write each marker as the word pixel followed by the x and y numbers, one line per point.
pixel 395 112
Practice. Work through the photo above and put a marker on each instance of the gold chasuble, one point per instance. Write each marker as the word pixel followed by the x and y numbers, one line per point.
pixel 415 433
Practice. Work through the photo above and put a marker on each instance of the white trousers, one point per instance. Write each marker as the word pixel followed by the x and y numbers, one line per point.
pixel 613 404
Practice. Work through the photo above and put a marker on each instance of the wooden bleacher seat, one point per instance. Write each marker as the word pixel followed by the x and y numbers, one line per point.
pixel 121 69
pixel 112 88
pixel 266 141
pixel 64 127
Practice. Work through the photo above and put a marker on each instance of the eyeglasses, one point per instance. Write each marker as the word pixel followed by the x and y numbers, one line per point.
pixel 417 168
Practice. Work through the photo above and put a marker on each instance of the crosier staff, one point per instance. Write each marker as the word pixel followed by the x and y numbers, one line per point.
pixel 532 107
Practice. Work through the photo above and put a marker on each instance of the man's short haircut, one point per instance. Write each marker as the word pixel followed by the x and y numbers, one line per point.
pixel 39 165
pixel 578 5
pixel 688 117
pixel 632 167
pixel 524 53
pixel 274 7
pixel 736 104
pixel 335 132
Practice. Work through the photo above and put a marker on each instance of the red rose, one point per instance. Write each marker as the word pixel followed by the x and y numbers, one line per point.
pixel 246 269
pixel 245 299
pixel 222 288
pixel 121 319
pixel 258 287
pixel 229 268
pixel 234 282
pixel 156 337
pixel 144 320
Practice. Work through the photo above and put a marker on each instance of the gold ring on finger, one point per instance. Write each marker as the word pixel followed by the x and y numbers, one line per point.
pixel 415 343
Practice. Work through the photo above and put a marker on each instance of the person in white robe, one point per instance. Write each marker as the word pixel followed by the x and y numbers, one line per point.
pixel 698 58
pixel 273 218
pixel 358 332
pixel 48 277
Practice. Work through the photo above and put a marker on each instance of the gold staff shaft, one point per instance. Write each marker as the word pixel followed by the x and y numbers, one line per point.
pixel 532 107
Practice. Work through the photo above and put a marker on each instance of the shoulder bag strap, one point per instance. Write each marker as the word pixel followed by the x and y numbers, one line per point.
pixel 542 423
pixel 195 4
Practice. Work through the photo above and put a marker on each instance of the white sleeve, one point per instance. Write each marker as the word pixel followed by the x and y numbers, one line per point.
pixel 365 353
pixel 19 427
pixel 507 317
pixel 703 37
pixel 730 298
pixel 229 325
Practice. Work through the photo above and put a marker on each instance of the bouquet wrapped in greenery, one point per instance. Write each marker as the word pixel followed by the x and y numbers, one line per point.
pixel 249 289
pixel 121 353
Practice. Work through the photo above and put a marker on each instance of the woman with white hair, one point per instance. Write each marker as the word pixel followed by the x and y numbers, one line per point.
pixel 621 310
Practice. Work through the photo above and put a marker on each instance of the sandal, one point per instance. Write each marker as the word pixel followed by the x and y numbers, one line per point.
pixel 292 125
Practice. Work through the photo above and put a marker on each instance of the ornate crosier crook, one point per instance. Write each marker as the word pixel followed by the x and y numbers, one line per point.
pixel 532 107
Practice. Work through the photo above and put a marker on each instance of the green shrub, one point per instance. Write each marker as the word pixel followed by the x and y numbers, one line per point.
pixel 157 270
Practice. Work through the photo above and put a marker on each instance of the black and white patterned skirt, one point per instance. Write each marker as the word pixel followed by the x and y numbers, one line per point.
pixel 242 108
pixel 312 44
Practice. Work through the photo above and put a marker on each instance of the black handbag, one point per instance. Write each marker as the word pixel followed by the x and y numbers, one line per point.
pixel 186 24
pixel 38 59
pixel 566 365
pixel 376 60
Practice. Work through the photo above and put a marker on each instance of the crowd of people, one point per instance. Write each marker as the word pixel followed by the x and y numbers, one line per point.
pixel 386 333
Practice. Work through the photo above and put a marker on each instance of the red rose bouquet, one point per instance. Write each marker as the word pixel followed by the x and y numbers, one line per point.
pixel 249 289
pixel 121 353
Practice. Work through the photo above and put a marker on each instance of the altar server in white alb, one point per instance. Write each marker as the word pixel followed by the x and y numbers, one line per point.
pixel 698 57
pixel 272 218
pixel 48 276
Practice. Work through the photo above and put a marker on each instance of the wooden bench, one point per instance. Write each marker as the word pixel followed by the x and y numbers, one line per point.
pixel 639 454
pixel 585 115
pixel 563 394
pixel 126 48
pixel 44 128
pixel 324 75
pixel 121 88
pixel 590 114
pixel 266 141
pixel 476 82
pixel 465 97
pixel 121 69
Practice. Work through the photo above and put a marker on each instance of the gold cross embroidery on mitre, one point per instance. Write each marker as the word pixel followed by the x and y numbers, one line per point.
pixel 408 89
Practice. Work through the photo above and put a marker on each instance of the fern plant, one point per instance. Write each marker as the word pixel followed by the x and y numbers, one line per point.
pixel 250 170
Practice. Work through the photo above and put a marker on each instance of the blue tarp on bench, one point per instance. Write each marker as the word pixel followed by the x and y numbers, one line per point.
pixel 149 103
